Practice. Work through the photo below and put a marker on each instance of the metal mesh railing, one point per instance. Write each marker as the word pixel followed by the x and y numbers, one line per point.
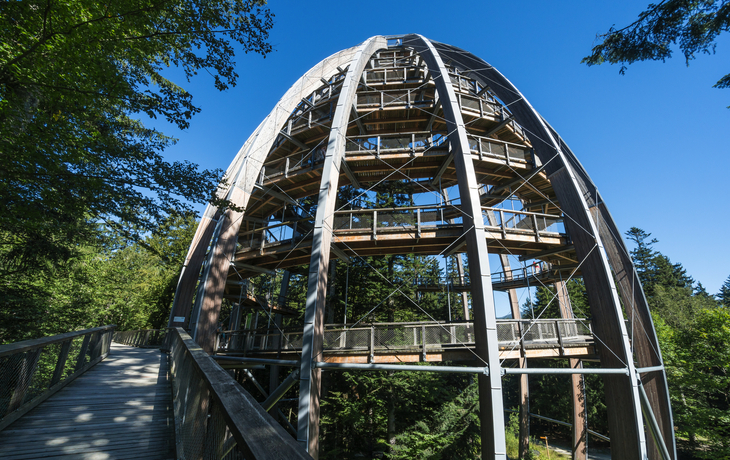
pixel 152 338
pixel 215 418
pixel 410 218
pixel 391 143
pixel 521 221
pixel 33 370
pixel 392 336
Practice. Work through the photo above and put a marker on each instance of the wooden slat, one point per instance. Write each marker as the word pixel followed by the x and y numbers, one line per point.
pixel 121 408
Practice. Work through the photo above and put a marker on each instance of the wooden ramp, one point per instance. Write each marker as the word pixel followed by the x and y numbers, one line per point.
pixel 119 409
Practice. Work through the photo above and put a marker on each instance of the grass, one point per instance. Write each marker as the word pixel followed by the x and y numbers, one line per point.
pixel 513 444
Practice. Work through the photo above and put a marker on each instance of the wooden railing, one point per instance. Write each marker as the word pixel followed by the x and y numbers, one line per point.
pixel 216 418
pixel 152 338
pixel 33 370
pixel 410 219
pixel 424 336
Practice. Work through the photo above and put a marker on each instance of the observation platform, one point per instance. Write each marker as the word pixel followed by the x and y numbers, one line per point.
pixel 404 230
pixel 534 275
pixel 417 342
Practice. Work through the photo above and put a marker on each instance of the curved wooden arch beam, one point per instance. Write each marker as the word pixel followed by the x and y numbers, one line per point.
pixel 183 300
pixel 309 385
pixel 222 232
pixel 646 346
pixel 622 393
pixel 485 322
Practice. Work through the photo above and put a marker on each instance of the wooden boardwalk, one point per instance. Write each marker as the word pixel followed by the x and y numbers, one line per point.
pixel 119 409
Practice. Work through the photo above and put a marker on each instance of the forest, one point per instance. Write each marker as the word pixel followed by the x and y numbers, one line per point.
pixel 402 414
pixel 96 224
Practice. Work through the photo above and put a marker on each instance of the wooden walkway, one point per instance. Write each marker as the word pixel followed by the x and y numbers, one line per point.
pixel 119 409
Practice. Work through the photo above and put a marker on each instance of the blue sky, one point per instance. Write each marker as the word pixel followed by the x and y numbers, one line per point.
pixel 655 140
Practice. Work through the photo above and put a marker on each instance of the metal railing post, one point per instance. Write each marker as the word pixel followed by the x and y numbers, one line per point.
pixel 423 342
pixel 372 343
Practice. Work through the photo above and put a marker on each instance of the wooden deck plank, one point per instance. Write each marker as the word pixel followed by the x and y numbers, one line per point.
pixel 119 409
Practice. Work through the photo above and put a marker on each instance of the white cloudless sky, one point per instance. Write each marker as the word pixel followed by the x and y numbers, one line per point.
pixel 655 141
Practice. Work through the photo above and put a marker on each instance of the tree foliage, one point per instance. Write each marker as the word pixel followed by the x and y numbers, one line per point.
pixel 693 25
pixel 131 286
pixel 73 77
pixel 724 295
pixel 693 335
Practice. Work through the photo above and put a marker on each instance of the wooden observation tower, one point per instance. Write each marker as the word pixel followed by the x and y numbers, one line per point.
pixel 492 187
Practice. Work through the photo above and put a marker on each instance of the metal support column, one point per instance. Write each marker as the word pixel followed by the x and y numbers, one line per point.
pixel 309 386
pixel 485 322
pixel 586 231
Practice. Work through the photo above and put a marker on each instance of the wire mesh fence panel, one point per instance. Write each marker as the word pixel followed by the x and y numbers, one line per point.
pixel 437 335
pixel 396 74
pixel 141 338
pixel 508 332
pixel 395 98
pixel 32 370
pixel 10 374
pixel 368 99
pixel 292 340
pixel 551 224
pixel 73 355
pixel 420 141
pixel 567 330
pixel 431 217
pixel 393 337
pixel 194 418
pixel 44 370
pixel 216 431
pixel 395 142
pixel 470 103
pixel 360 220
pixel 341 222
pixel 493 149
pixel 520 221
pixel 464 333
pixel 331 339
pixel 376 76
pixel 391 219
pixel 517 153
pixel 357 338
pixel 540 332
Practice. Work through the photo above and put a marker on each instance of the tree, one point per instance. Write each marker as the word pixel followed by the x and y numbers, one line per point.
pixel 130 286
pixel 694 25
pixel 724 295
pixel 73 77
pixel 697 358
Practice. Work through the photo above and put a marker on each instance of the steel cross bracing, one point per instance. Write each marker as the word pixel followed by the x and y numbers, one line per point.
pixel 437 122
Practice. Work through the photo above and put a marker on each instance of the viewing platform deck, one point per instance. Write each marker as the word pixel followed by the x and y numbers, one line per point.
pixel 418 342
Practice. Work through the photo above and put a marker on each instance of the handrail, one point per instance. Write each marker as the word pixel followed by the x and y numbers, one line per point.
pixel 405 210
pixel 25 345
pixel 329 326
pixel 152 338
pixel 33 370
pixel 214 415
pixel 523 213
pixel 528 333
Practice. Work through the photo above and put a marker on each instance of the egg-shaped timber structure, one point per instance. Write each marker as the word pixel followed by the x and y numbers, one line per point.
pixel 449 128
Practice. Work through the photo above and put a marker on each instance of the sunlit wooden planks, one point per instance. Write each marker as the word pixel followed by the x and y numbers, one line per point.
pixel 119 409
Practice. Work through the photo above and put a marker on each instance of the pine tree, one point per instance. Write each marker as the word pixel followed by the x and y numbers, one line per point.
pixel 724 294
